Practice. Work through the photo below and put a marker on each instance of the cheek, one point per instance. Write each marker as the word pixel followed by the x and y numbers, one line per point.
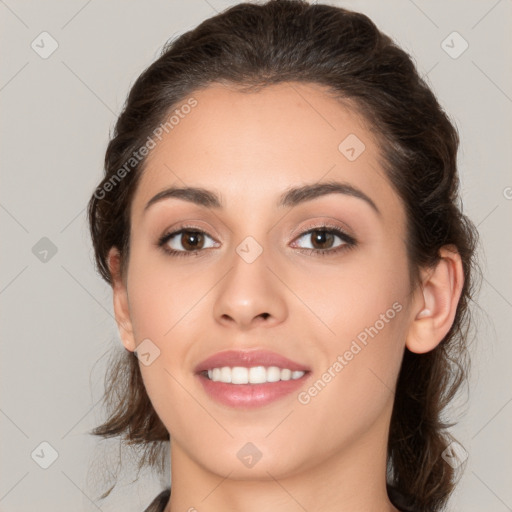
pixel 165 308
pixel 161 297
pixel 364 306
pixel 352 391
pixel 162 311
pixel 352 295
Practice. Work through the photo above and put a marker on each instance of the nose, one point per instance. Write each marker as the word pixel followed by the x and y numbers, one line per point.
pixel 250 295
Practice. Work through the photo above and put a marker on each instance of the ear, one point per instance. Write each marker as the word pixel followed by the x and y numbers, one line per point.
pixel 121 305
pixel 435 308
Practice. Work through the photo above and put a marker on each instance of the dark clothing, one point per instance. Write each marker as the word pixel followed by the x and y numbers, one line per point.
pixel 160 502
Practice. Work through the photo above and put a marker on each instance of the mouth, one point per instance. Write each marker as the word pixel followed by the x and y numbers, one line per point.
pixel 248 379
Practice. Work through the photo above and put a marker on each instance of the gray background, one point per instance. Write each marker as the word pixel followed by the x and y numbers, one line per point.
pixel 56 315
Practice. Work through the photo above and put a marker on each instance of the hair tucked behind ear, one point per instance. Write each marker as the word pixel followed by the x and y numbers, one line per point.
pixel 250 46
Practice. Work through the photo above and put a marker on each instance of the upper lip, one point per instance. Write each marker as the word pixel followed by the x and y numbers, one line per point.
pixel 248 359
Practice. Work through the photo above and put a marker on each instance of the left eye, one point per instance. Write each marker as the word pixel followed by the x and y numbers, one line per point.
pixel 323 239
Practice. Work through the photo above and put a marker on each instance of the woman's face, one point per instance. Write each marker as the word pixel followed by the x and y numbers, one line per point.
pixel 250 281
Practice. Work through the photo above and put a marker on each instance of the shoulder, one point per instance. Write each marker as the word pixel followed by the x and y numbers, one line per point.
pixel 160 502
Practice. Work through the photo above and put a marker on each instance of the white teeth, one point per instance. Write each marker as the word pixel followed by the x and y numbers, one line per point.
pixel 256 375
pixel 273 374
pixel 287 374
pixel 238 375
pixel 253 375
pixel 225 374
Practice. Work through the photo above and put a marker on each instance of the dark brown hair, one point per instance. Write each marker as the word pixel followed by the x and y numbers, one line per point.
pixel 250 46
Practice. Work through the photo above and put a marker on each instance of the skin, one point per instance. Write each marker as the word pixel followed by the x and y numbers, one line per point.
pixel 328 454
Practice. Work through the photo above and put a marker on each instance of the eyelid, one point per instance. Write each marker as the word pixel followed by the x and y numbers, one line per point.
pixel 323 224
pixel 192 225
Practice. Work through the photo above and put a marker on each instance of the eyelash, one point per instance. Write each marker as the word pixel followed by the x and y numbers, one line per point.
pixel 350 242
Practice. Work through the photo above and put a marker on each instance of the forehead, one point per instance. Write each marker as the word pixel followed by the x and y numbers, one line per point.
pixel 249 147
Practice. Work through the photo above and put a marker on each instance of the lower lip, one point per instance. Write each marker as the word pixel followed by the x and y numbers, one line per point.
pixel 250 395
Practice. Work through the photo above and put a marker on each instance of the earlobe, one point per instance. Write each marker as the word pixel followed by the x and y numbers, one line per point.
pixel 436 306
pixel 120 298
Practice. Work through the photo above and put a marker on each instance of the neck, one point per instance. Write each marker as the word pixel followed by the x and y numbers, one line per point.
pixel 352 479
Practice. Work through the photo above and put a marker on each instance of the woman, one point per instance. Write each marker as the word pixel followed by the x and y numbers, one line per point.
pixel 280 223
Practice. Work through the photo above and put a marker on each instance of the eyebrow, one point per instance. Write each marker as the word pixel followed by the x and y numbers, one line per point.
pixel 291 197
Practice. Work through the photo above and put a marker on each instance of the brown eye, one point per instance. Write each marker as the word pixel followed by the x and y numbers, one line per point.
pixel 186 241
pixel 192 240
pixel 322 239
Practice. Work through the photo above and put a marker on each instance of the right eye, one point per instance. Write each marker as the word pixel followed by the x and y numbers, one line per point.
pixel 184 242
